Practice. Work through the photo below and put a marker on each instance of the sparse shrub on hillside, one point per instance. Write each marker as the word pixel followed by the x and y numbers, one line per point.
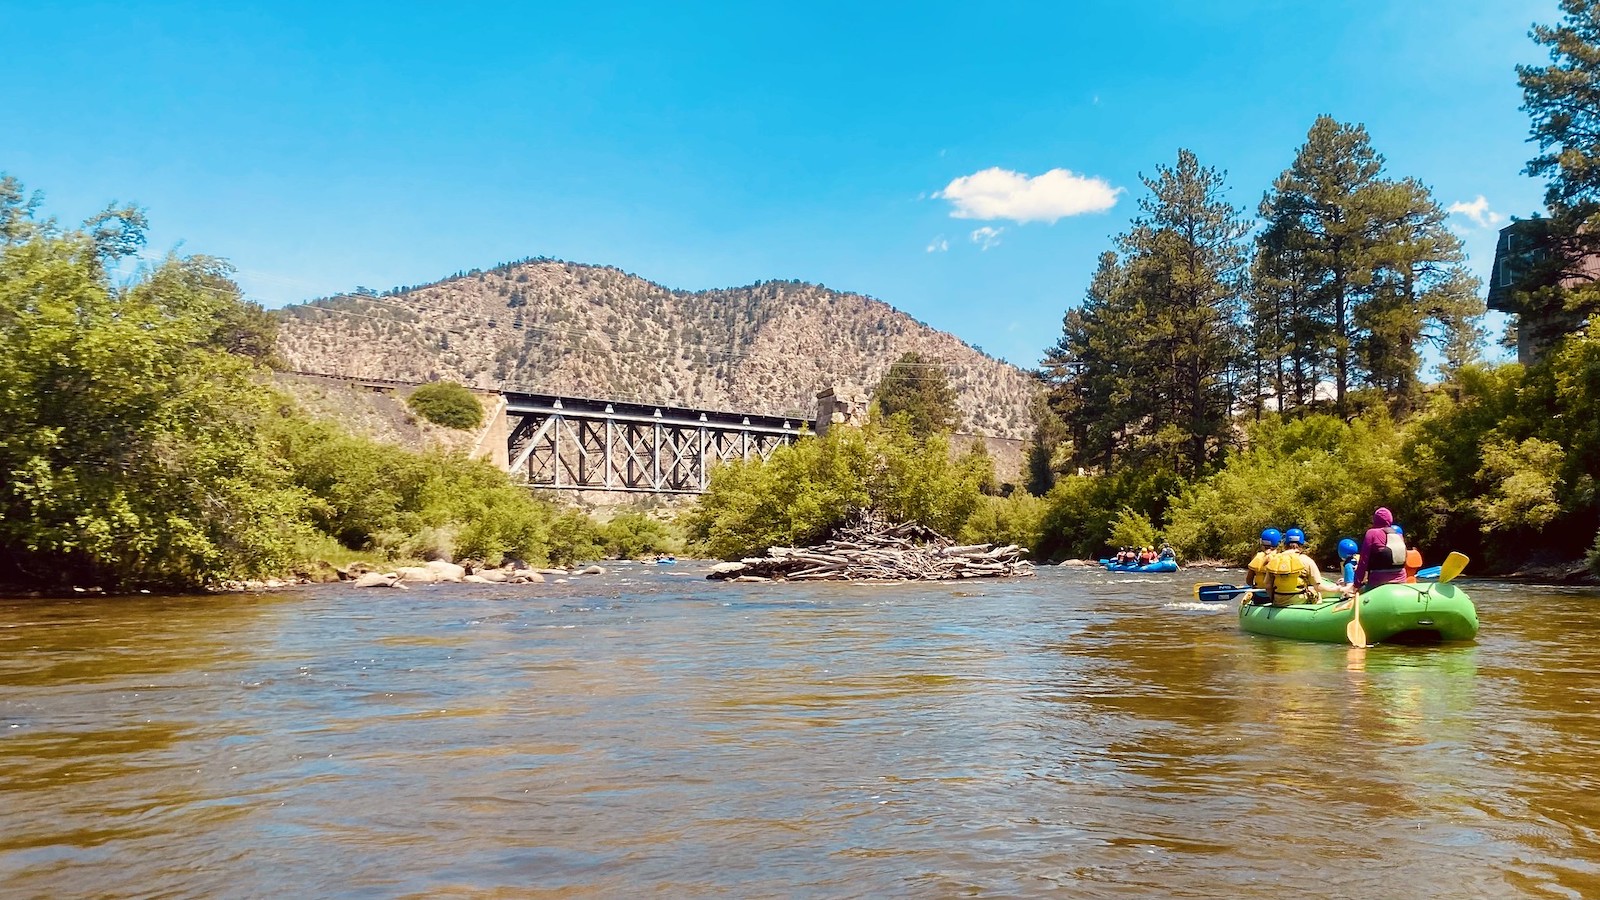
pixel 447 403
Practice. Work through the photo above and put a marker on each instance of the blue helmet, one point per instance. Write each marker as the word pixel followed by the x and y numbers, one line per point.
pixel 1271 536
pixel 1348 548
pixel 1398 529
pixel 1294 536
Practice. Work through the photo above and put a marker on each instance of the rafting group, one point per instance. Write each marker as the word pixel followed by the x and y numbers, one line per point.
pixel 1147 559
pixel 1382 592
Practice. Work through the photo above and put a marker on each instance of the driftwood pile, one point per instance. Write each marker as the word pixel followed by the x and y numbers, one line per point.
pixel 871 551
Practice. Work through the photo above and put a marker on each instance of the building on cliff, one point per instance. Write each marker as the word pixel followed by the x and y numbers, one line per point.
pixel 1524 262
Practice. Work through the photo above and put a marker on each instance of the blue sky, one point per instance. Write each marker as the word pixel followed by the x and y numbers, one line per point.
pixel 890 149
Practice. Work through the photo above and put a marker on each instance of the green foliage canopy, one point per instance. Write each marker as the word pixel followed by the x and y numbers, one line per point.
pixel 809 488
pixel 140 443
pixel 1318 473
pixel 128 453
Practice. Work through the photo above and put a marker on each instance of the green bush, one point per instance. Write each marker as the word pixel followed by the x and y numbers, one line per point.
pixel 129 453
pixel 1017 519
pixel 372 495
pixel 1132 529
pixel 631 535
pixel 1080 509
pixel 809 488
pixel 1317 473
pixel 448 404
pixel 574 538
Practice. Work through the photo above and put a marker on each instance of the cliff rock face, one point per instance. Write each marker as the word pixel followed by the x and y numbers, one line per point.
pixel 591 331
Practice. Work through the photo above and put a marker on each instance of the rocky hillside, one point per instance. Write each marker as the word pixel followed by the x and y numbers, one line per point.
pixel 592 331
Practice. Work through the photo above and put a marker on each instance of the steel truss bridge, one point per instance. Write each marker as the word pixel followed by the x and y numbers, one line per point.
pixel 574 443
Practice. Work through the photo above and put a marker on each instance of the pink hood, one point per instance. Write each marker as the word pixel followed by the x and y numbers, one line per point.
pixel 1382 518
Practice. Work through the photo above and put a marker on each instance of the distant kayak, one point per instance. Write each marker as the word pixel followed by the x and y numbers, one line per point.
pixel 1160 565
pixel 666 560
pixel 1435 612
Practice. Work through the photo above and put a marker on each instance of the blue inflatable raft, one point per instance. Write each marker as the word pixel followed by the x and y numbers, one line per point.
pixel 1160 565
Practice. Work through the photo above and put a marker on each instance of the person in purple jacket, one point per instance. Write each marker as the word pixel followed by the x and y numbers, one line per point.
pixel 1383 553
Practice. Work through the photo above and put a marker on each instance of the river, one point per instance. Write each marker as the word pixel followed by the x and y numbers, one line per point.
pixel 648 732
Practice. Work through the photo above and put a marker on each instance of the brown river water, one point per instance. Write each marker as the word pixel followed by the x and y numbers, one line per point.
pixel 1076 734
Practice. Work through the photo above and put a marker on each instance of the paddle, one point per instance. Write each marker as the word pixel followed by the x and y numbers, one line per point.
pixel 1217 592
pixel 1453 564
pixel 1354 631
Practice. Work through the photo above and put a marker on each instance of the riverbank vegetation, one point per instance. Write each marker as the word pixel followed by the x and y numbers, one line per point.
pixel 1224 374
pixel 141 444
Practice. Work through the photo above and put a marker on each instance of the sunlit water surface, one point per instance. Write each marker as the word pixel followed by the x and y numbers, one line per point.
pixel 648 732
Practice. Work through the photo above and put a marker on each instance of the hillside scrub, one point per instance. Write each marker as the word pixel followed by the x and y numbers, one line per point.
pixel 448 404
pixel 766 347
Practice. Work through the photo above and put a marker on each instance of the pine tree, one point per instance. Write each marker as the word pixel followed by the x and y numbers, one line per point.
pixel 1089 366
pixel 1563 101
pixel 1356 271
pixel 1319 213
pixel 1186 260
pixel 1422 294
pixel 918 389
pixel 1147 365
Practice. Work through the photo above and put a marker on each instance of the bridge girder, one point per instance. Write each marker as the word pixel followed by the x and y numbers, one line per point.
pixel 560 443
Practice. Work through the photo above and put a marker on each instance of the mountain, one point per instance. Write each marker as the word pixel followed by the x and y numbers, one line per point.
pixel 592 331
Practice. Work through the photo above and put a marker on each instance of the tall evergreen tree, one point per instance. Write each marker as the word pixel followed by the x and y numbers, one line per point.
pixel 1187 261
pixel 1146 366
pixel 1090 368
pixel 918 388
pixel 1422 294
pixel 1366 269
pixel 1319 214
pixel 1563 101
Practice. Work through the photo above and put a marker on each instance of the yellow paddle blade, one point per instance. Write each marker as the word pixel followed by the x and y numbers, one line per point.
pixel 1354 631
pixel 1453 564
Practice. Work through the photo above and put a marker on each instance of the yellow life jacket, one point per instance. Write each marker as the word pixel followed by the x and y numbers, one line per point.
pixel 1257 574
pixel 1288 576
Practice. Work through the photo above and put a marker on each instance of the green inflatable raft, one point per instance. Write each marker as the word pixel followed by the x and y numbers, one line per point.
pixel 1397 613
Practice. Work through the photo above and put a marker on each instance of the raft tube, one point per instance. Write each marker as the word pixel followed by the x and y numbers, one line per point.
pixel 1160 565
pixel 1389 612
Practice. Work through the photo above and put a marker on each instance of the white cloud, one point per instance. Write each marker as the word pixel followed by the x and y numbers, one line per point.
pixel 987 237
pixel 938 245
pixel 1478 211
pixel 997 193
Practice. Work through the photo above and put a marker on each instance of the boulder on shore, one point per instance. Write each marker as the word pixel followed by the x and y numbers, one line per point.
pixel 378 579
